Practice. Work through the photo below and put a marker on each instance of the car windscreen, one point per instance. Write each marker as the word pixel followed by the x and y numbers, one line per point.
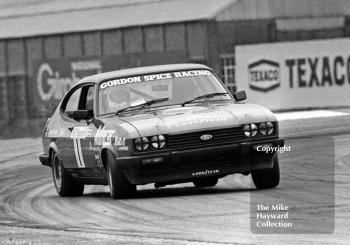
pixel 178 87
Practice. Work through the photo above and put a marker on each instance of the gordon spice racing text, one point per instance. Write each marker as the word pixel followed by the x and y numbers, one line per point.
pixel 161 124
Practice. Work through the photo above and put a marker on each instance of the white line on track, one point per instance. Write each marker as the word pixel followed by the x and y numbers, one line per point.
pixel 284 116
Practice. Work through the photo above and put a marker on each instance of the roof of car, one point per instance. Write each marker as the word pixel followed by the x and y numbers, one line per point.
pixel 139 71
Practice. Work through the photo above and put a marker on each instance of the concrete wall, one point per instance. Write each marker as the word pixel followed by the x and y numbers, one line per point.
pixel 201 41
pixel 18 89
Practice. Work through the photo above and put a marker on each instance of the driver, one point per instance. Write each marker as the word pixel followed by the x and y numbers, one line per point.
pixel 118 99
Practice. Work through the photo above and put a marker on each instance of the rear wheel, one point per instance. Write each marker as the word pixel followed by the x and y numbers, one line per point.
pixel 205 182
pixel 63 181
pixel 267 178
pixel 119 185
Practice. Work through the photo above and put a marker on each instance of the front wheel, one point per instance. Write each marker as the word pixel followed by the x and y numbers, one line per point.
pixel 119 185
pixel 63 181
pixel 267 178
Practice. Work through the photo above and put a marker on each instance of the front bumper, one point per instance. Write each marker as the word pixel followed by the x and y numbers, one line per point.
pixel 45 160
pixel 182 165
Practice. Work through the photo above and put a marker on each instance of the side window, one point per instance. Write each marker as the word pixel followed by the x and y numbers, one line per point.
pixel 73 101
pixel 88 102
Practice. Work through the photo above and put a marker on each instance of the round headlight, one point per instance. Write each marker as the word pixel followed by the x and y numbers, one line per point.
pixel 155 142
pixel 161 141
pixel 246 130
pixel 145 143
pixel 141 143
pixel 262 128
pixel 270 128
pixel 158 141
pixel 138 144
pixel 253 129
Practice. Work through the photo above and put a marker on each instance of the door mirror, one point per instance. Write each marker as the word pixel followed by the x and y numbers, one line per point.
pixel 79 114
pixel 240 95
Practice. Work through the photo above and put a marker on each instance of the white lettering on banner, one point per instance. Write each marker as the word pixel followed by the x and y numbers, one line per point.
pixel 306 73
pixel 153 77
pixel 192 73
pixel 121 82
pixel 157 77
pixel 58 87
pixel 55 86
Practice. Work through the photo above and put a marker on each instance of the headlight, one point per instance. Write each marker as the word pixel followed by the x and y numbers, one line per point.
pixel 263 128
pixel 253 129
pixel 158 141
pixel 259 129
pixel 250 130
pixel 270 128
pixel 246 130
pixel 141 144
pixel 149 143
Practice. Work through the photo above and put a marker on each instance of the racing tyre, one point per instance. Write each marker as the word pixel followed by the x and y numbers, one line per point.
pixel 205 182
pixel 119 185
pixel 63 181
pixel 267 178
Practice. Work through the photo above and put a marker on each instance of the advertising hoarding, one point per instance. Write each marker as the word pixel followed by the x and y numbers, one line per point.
pixel 292 75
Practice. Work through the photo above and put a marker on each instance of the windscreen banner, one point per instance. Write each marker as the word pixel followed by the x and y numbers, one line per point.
pixel 289 75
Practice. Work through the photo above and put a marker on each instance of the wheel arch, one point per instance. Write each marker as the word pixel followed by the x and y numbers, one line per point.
pixel 52 148
pixel 105 148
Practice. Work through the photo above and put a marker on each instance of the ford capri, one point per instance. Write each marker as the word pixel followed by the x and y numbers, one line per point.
pixel 165 125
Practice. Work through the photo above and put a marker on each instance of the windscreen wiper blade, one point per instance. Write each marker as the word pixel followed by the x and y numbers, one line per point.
pixel 204 96
pixel 146 103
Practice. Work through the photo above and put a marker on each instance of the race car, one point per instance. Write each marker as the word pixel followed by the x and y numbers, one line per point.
pixel 165 125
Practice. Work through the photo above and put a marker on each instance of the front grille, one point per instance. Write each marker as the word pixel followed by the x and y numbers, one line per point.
pixel 193 140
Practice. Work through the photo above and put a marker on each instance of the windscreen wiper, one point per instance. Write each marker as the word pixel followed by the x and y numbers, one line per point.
pixel 204 96
pixel 146 103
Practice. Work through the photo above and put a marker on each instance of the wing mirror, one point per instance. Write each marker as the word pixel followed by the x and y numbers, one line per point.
pixel 240 95
pixel 79 114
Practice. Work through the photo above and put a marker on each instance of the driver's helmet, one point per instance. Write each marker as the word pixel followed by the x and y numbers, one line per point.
pixel 118 98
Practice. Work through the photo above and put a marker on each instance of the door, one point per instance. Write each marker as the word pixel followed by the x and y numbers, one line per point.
pixel 74 146
pixel 86 130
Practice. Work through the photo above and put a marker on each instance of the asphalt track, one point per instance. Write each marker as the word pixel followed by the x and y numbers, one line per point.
pixel 314 184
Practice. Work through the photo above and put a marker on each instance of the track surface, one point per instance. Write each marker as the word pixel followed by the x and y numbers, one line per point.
pixel 31 211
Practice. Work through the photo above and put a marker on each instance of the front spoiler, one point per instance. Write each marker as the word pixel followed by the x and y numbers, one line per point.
pixel 45 160
pixel 179 165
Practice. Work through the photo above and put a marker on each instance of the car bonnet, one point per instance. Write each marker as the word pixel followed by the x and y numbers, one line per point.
pixel 196 118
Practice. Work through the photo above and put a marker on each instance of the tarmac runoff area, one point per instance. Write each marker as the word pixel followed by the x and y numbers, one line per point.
pixel 314 188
